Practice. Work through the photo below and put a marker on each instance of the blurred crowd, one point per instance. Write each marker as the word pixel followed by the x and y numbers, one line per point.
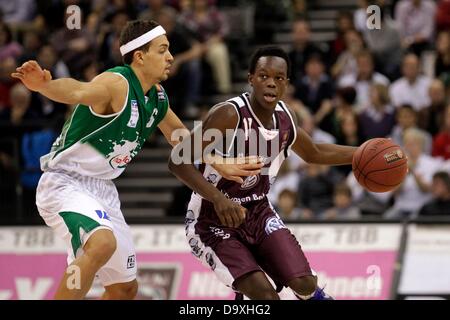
pixel 364 83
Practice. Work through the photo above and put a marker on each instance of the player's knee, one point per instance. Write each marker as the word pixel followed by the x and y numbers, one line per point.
pixel 101 246
pixel 304 286
pixel 123 291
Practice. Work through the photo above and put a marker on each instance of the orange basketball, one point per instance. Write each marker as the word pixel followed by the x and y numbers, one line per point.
pixel 379 165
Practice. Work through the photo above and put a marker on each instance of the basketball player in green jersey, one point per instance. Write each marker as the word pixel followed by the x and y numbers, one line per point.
pixel 115 114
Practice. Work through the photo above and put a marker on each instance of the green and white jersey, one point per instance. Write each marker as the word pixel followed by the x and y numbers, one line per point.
pixel 101 146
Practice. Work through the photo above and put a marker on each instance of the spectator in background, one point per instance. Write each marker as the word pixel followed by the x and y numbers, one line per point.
pixel 8 47
pixel 442 63
pixel 343 208
pixel 407 118
pixel 443 15
pixel 210 27
pixel 441 142
pixel 75 47
pixel 412 88
pixel 154 7
pixel 302 49
pixel 7 66
pixel 288 177
pixel 330 115
pixel 346 63
pixel 378 119
pixel 316 190
pixel 48 59
pixel 414 192
pixel 385 45
pixel 416 20
pixel 364 79
pixel 344 23
pixel 287 205
pixel 440 189
pixel 432 117
pixel 315 87
pixel 19 109
pixel 298 10
pixel 348 134
pixel 18 12
pixel 183 84
pixel 32 42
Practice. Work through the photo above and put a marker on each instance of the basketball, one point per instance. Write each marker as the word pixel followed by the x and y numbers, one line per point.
pixel 379 165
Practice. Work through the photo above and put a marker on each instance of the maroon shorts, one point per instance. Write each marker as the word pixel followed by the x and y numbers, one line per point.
pixel 261 243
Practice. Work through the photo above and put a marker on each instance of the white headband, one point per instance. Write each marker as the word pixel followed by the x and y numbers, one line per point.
pixel 141 40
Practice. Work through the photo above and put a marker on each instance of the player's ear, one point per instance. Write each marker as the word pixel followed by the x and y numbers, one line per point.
pixel 250 78
pixel 138 56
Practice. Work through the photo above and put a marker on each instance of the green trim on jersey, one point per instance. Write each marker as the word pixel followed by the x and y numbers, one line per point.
pixel 74 221
pixel 107 143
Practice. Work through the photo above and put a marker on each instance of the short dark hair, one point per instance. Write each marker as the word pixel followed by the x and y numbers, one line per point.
pixel 348 94
pixel 444 177
pixel 269 51
pixel 132 30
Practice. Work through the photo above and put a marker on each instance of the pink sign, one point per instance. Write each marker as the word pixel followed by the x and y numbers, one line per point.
pixel 346 275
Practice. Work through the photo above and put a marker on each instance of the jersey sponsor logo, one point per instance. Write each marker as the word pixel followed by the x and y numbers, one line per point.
pixel 102 214
pixel 120 161
pixel 249 182
pixel 131 262
pixel 212 178
pixel 161 96
pixel 134 117
pixel 274 224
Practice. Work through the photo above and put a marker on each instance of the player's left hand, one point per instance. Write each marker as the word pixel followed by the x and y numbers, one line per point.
pixel 235 168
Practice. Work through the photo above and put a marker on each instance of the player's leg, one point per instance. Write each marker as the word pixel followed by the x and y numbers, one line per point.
pixel 121 291
pixel 282 257
pixel 96 252
pixel 256 286
pixel 118 275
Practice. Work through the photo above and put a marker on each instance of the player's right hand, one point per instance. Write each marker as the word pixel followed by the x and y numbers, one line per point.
pixel 230 213
pixel 32 75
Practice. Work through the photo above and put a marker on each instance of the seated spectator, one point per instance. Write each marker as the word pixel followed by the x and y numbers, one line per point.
pixel 302 49
pixel 344 23
pixel 414 192
pixel 154 7
pixel 440 189
pixel 442 63
pixel 360 16
pixel 18 13
pixel 441 142
pixel 48 59
pixel 378 119
pixel 298 10
pixel 8 47
pixel 432 117
pixel 443 15
pixel 288 177
pixel 316 190
pixel 346 63
pixel 369 203
pixel 416 20
pixel 210 28
pixel 32 41
pixel 412 88
pixel 349 135
pixel 331 113
pixel 315 87
pixel 343 207
pixel 183 85
pixel 7 66
pixel 407 118
pixel 384 43
pixel 364 79
pixel 287 205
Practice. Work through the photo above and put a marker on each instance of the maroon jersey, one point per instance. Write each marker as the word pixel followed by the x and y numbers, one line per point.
pixel 250 138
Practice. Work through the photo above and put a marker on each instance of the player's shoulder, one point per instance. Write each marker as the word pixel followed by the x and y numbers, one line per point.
pixel 284 107
pixel 110 79
pixel 223 115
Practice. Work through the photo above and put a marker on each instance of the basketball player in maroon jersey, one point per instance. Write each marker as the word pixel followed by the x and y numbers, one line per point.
pixel 243 244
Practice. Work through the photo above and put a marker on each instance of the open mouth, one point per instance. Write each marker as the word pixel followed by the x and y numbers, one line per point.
pixel 270 97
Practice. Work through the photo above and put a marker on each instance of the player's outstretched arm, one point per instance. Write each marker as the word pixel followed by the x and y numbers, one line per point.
pixel 68 90
pixel 230 169
pixel 320 153
pixel 188 152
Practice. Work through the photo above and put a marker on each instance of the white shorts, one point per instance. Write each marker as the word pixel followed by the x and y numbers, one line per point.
pixel 75 207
